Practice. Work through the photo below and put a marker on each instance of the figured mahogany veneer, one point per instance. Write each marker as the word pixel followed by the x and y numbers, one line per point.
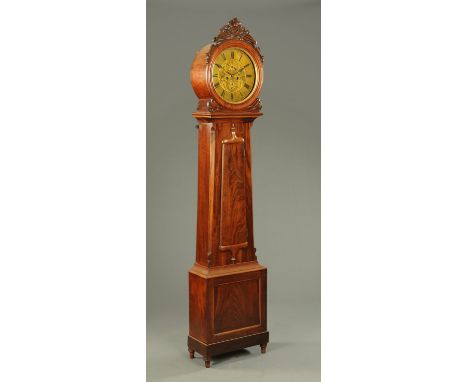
pixel 233 220
pixel 224 220
pixel 227 286
pixel 227 305
pixel 236 305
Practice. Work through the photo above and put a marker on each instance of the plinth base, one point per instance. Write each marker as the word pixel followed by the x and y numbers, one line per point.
pixel 227 309
pixel 209 350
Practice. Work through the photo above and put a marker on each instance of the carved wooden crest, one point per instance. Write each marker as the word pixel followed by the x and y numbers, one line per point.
pixel 212 105
pixel 256 106
pixel 233 30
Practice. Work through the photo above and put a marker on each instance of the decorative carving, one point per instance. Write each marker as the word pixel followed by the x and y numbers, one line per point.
pixel 234 138
pixel 212 105
pixel 233 30
pixel 256 106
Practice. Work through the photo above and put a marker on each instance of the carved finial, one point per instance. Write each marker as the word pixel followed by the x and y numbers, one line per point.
pixel 233 30
pixel 233 258
pixel 233 131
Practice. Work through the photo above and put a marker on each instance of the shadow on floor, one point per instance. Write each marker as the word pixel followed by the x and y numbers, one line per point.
pixel 239 355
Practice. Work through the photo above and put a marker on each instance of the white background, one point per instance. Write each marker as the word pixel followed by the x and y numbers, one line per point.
pixel 394 191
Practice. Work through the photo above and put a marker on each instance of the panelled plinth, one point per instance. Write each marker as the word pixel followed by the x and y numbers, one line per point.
pixel 227 308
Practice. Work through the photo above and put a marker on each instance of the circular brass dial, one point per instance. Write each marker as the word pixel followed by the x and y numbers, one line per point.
pixel 234 75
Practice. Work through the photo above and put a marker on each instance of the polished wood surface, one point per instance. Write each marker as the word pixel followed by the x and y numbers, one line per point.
pixel 227 305
pixel 225 218
pixel 232 35
pixel 209 350
pixel 227 285
pixel 233 220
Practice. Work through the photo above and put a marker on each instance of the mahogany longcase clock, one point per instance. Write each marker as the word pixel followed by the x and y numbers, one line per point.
pixel 227 285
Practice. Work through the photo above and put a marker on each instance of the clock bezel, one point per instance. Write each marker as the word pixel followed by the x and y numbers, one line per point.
pixel 258 67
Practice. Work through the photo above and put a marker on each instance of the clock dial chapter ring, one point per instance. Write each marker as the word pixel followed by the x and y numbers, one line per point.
pixel 235 75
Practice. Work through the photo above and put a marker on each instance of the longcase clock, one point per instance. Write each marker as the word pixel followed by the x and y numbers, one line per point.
pixel 227 285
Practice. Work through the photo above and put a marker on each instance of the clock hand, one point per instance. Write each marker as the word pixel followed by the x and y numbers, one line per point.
pixel 225 73
pixel 240 70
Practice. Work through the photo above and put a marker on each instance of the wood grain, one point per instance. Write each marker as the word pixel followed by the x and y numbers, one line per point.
pixel 227 285
pixel 233 220
pixel 216 348
pixel 236 305
pixel 198 309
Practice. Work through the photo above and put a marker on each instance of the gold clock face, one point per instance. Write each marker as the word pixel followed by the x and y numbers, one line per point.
pixel 234 75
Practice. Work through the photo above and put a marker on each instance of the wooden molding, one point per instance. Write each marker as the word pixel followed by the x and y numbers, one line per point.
pixel 209 272
pixel 233 30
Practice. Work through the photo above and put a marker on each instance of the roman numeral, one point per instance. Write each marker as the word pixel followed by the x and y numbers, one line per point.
pixel 222 93
pixel 232 54
pixel 249 75
pixel 232 96
pixel 219 66
pixel 240 58
pixel 215 75
pixel 247 86
pixel 224 57
pixel 216 84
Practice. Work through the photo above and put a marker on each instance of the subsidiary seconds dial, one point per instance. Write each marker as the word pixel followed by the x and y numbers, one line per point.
pixel 234 75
